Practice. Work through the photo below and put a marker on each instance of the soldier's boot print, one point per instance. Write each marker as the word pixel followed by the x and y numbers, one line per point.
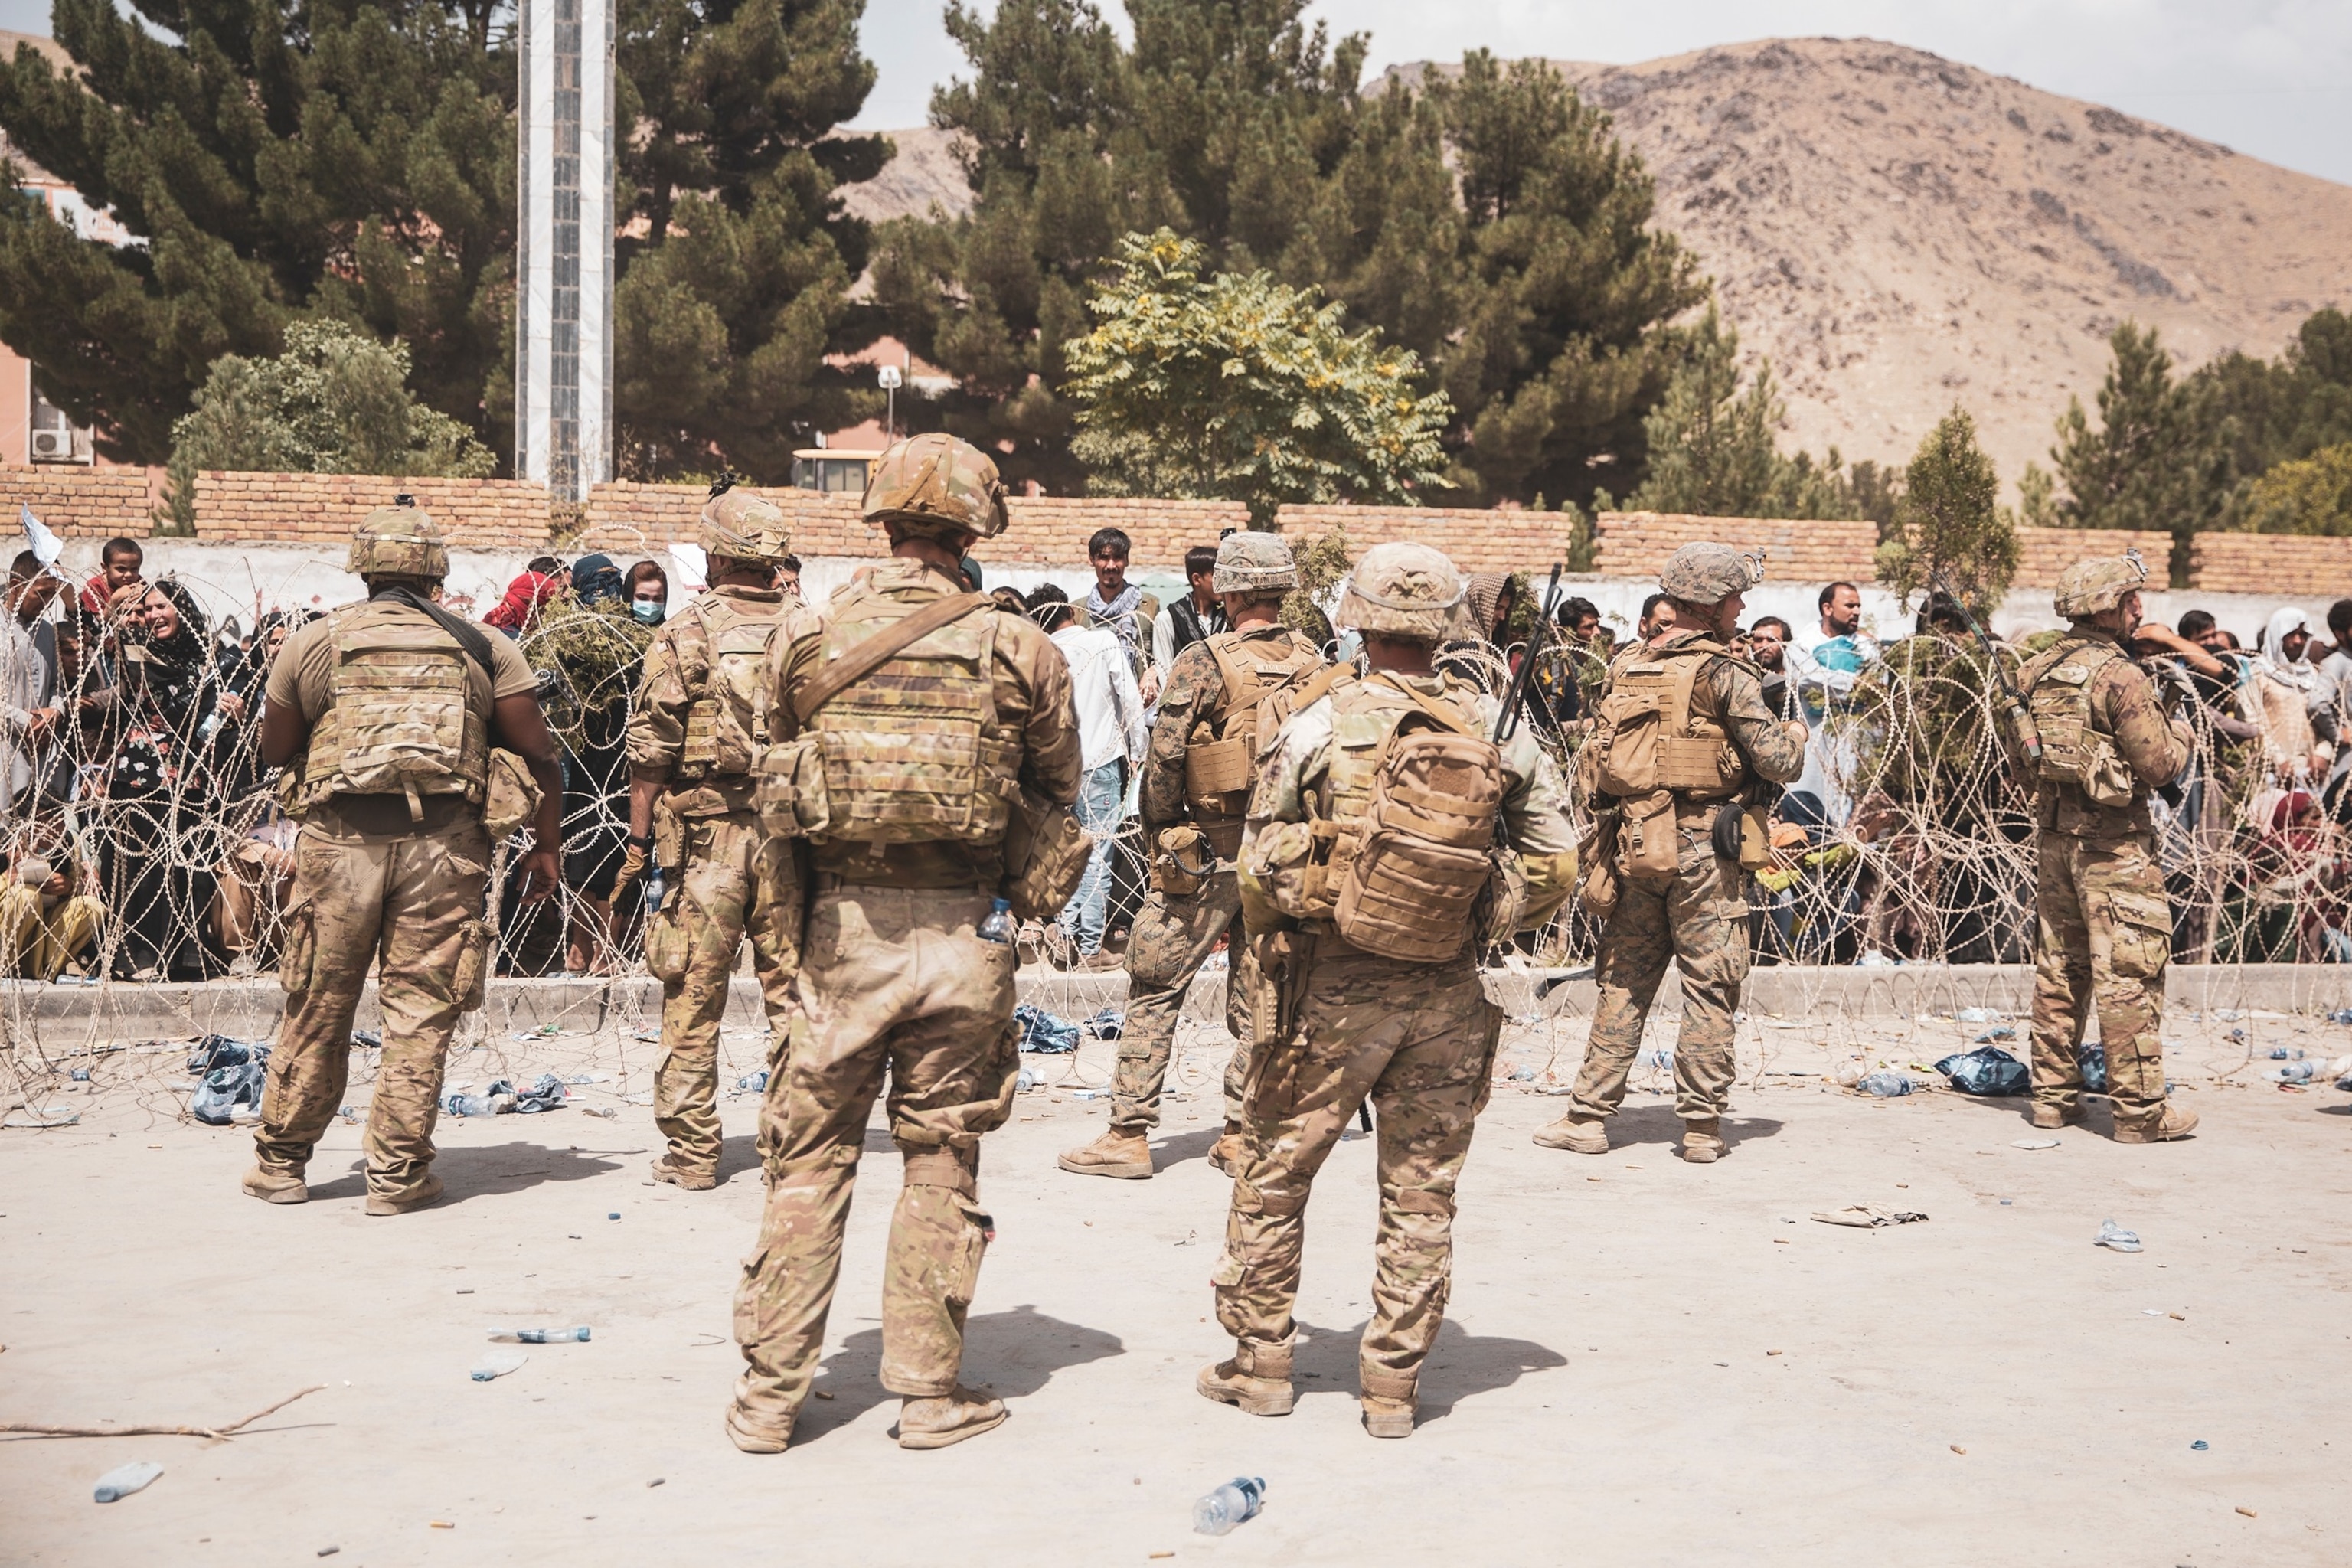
pixel 1122 1152
pixel 935 1421
pixel 1703 1142
pixel 1576 1134
pixel 1257 1379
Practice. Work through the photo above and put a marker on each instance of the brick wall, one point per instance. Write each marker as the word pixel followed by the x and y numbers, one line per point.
pixel 2043 553
pixel 76 502
pixel 286 508
pixel 1480 541
pixel 2292 565
pixel 1637 543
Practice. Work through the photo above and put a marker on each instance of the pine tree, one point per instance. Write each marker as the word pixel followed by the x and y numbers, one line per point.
pixel 1712 449
pixel 1947 527
pixel 2152 463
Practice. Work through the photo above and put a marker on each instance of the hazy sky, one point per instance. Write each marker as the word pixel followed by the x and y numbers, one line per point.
pixel 2272 77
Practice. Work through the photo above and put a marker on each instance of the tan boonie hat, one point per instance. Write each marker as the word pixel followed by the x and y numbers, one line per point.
pixel 935 484
pixel 1249 561
pixel 1404 591
pixel 2099 583
pixel 743 526
pixel 398 540
pixel 1709 574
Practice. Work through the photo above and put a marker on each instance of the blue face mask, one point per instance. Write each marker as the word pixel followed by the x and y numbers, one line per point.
pixel 646 610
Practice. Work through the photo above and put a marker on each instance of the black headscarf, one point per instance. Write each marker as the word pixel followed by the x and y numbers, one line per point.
pixel 595 578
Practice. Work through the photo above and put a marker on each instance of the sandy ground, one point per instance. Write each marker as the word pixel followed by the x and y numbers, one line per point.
pixel 1645 1362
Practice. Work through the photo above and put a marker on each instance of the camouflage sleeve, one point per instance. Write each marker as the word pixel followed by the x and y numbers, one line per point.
pixel 657 726
pixel 1739 697
pixel 1194 687
pixel 2156 747
pixel 792 658
pixel 1535 798
pixel 1052 758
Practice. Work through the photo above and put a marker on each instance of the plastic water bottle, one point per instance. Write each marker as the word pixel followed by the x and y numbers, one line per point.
pixel 1236 1501
pixel 656 889
pixel 2116 1238
pixel 123 1479
pixel 997 926
pixel 1885 1084
pixel 540 1336
pixel 2297 1072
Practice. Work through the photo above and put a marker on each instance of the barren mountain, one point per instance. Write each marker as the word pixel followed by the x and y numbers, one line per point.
pixel 1899 233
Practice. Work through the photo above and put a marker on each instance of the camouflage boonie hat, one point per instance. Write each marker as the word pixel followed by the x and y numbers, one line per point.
pixel 935 484
pixel 742 526
pixel 398 540
pixel 1404 591
pixel 1709 574
pixel 1249 561
pixel 2099 583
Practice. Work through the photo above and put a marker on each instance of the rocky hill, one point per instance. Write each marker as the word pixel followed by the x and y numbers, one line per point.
pixel 1899 233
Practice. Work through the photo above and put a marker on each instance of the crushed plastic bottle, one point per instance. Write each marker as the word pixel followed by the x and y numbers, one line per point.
pixel 540 1336
pixel 752 1082
pixel 2296 1072
pixel 123 1479
pixel 2116 1238
pixel 656 889
pixel 496 1365
pixel 1885 1083
pixel 997 926
pixel 1236 1501
pixel 1026 1081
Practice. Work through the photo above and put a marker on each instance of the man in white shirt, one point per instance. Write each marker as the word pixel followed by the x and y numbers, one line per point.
pixel 28 672
pixel 1111 738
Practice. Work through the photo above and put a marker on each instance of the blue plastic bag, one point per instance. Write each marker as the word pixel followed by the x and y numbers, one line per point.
pixel 2094 1069
pixel 1043 1033
pixel 1985 1071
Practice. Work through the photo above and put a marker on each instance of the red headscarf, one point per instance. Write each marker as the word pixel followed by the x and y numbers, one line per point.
pixel 525 595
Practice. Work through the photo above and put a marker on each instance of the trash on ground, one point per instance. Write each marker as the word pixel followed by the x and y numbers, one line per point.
pixel 367 1039
pixel 2094 1060
pixel 606 1111
pixel 547 1093
pixel 1044 1032
pixel 2341 1015
pixel 219 1051
pixel 1848 1073
pixel 2247 1512
pixel 498 1097
pixel 1028 1080
pixel 1885 1084
pixel 80 1075
pixel 1868 1216
pixel 43 1116
pixel 1988 1070
pixel 2201 1445
pixel 1107 1024
pixel 1979 1014
pixel 2115 1236
pixel 2035 1143
pixel 124 1479
pixel 496 1365
pixel 752 1082
pixel 1523 1075
pixel 581 1079
pixel 542 1336
pixel 1238 1499
pixel 1088 1093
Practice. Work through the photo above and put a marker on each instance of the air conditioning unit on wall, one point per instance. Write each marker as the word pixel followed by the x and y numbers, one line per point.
pixel 53 447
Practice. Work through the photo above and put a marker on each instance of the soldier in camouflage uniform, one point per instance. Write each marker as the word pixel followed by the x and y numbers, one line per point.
pixel 1417 1038
pixel 1196 787
pixel 385 714
pixel 2104 925
pixel 900 777
pixel 1680 894
pixel 695 741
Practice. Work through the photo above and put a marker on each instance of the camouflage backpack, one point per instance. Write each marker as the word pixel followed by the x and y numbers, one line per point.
pixel 401 722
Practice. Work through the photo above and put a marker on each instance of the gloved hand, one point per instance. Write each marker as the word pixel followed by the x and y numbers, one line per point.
pixel 633 866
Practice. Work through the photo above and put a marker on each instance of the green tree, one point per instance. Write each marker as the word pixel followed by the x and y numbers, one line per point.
pixel 276 161
pixel 1241 388
pixel 2303 495
pixel 1711 445
pixel 336 402
pixel 1947 527
pixel 2151 463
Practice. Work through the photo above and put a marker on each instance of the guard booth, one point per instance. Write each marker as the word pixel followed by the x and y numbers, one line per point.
pixel 832 469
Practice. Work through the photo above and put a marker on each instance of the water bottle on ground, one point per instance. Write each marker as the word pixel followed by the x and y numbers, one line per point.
pixel 2297 1072
pixel 997 926
pixel 540 1336
pixel 2116 1238
pixel 1885 1084
pixel 656 889
pixel 123 1479
pixel 1236 1501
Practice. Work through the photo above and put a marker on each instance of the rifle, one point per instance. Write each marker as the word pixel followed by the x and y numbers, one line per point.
pixel 1515 695
pixel 2028 739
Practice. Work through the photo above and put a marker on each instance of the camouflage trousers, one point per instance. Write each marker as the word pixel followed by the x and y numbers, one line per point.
pixel 1419 1040
pixel 2104 935
pixel 896 980
pixel 1697 918
pixel 412 907
pixel 736 880
pixel 36 944
pixel 1173 936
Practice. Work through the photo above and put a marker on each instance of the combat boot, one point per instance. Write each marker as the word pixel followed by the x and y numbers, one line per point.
pixel 276 1186
pixel 679 1175
pixel 2173 1121
pixel 936 1421
pixel 2050 1117
pixel 756 1434
pixel 1703 1142
pixel 1389 1402
pixel 1257 1380
pixel 423 1193
pixel 1225 1154
pixel 1119 1151
pixel 1576 1134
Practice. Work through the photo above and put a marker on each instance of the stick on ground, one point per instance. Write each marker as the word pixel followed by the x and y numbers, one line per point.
pixel 35 1429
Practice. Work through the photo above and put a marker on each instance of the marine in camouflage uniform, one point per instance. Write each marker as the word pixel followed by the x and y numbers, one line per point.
pixel 384 713
pixel 1417 1038
pixel 695 741
pixel 1194 788
pixel 900 781
pixel 2105 927
pixel 1696 913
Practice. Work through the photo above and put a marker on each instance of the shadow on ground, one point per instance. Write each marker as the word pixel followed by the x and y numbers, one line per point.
pixel 1659 1124
pixel 1462 1366
pixel 486 1172
pixel 1010 1354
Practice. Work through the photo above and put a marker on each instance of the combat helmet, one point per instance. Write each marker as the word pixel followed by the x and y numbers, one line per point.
pixel 1249 561
pixel 742 526
pixel 1404 589
pixel 398 540
pixel 935 484
pixel 1709 574
pixel 2087 587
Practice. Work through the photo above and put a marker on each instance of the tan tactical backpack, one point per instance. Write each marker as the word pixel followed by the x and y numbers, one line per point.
pixel 1421 853
pixel 401 722
pixel 727 722
pixel 1259 696
pixel 2058 697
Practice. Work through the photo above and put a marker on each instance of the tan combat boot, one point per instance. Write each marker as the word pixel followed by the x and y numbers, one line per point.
pixel 2173 1122
pixel 1119 1151
pixel 1703 1142
pixel 276 1186
pixel 1257 1380
pixel 2050 1117
pixel 1389 1402
pixel 417 1197
pixel 1576 1134
pixel 757 1434
pixel 1226 1152
pixel 935 1421
pixel 663 1170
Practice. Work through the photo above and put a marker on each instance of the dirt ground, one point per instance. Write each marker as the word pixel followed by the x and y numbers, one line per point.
pixel 1645 1362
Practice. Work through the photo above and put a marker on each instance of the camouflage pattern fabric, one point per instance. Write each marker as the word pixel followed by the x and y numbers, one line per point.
pixel 895 979
pixel 2124 708
pixel 2105 932
pixel 1419 1040
pixel 1697 917
pixel 1709 574
pixel 416 903
pixel 737 881
pixel 1172 937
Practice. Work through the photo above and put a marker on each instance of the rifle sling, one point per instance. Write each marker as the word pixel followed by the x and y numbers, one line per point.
pixel 879 650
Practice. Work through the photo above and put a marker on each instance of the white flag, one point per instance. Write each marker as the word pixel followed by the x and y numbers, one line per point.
pixel 45 546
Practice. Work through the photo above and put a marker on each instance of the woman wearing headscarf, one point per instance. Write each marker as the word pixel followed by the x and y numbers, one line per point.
pixel 526 597
pixel 2287 701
